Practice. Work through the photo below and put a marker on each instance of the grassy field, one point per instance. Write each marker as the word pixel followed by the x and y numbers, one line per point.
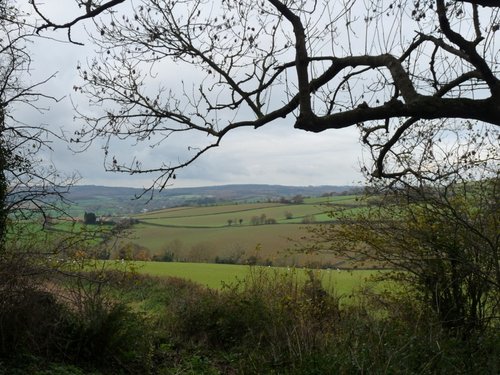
pixel 202 234
pixel 226 233
pixel 341 282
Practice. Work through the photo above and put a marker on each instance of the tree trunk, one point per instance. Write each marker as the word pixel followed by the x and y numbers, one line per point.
pixel 3 181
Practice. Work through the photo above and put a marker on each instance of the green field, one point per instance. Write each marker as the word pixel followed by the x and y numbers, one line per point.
pixel 34 233
pixel 225 233
pixel 341 282
pixel 202 234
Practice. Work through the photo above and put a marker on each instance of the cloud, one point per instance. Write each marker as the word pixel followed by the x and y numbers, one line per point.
pixel 283 155
pixel 274 154
pixel 287 157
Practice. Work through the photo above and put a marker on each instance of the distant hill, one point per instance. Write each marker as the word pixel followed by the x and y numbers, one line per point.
pixel 105 200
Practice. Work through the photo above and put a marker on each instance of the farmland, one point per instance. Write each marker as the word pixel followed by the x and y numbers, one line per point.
pixel 119 201
pixel 266 233
pixel 261 233
pixel 341 282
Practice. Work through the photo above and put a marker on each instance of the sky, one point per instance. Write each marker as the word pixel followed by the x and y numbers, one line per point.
pixel 275 154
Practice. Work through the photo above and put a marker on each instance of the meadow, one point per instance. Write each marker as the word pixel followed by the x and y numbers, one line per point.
pixel 267 233
pixel 216 276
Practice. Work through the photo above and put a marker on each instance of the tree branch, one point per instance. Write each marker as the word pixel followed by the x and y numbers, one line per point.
pixel 425 107
pixel 90 14
pixel 468 47
pixel 484 3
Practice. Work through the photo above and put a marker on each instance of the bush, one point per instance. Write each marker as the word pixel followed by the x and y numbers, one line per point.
pixel 132 251
pixel 443 240
pixel 272 323
pixel 40 330
pixel 30 322
pixel 309 219
pixel 269 316
pixel 110 337
pixel 167 256
pixel 44 319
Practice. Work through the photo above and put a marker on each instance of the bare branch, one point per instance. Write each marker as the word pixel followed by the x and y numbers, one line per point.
pixel 262 63
pixel 484 3
pixel 89 14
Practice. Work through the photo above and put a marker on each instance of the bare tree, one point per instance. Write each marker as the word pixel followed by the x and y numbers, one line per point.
pixel 27 184
pixel 392 69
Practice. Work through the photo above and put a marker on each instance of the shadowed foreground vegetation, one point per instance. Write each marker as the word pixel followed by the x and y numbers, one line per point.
pixel 113 322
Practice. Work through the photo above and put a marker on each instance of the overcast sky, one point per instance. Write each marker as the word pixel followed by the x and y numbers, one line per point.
pixel 276 154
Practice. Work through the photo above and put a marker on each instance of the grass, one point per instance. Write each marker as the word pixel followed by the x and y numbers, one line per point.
pixel 218 216
pixel 220 231
pixel 224 229
pixel 32 233
pixel 270 323
pixel 275 236
pixel 215 276
pixel 250 319
pixel 272 243
pixel 196 211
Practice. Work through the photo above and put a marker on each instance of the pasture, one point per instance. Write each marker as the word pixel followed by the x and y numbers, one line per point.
pixel 266 233
pixel 215 276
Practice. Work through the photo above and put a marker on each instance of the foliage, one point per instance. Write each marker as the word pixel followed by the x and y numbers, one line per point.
pixel 268 322
pixel 30 320
pixel 268 311
pixel 131 251
pixel 214 276
pixel 167 256
pixel 54 303
pixel 89 218
pixel 70 319
pixel 442 242
pixel 110 337
pixel 273 323
pixel 308 219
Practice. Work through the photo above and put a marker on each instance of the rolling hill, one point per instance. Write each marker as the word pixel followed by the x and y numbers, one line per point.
pixel 113 201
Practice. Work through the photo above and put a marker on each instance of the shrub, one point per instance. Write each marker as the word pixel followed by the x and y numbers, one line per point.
pixel 272 323
pixel 30 322
pixel 443 240
pixel 167 256
pixel 89 218
pixel 270 315
pixel 45 317
pixel 201 252
pixel 133 251
pixel 309 219
pixel 110 337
